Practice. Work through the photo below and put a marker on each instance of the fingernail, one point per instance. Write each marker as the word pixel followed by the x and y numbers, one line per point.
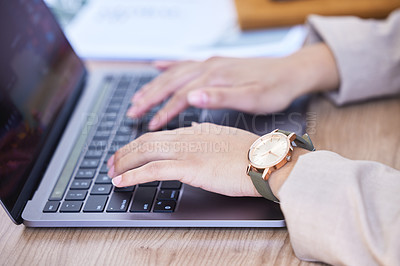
pixel 111 172
pixel 197 98
pixel 132 112
pixel 110 161
pixel 116 180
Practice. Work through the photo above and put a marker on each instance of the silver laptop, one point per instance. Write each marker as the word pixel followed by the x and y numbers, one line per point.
pixel 60 124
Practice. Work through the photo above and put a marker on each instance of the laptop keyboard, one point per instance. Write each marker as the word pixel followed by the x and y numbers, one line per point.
pixel 90 190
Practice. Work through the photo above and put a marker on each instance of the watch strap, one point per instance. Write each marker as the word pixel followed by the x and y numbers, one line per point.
pixel 262 186
pixel 302 142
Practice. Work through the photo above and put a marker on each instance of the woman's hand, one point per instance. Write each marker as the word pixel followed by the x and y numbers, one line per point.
pixel 205 155
pixel 253 85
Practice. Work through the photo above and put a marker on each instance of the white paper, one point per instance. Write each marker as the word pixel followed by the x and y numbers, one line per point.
pixel 172 29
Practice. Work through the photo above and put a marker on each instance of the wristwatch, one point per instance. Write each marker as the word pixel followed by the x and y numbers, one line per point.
pixel 269 153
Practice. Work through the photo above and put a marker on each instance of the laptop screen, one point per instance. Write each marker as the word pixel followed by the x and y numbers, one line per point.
pixel 38 73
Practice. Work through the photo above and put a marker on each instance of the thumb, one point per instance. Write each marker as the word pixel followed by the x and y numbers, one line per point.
pixel 221 97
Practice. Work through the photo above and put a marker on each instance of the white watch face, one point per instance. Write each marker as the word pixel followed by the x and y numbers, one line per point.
pixel 269 150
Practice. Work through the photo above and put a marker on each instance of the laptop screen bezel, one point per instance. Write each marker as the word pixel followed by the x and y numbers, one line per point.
pixel 52 139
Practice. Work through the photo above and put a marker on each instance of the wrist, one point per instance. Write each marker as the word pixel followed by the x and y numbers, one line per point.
pixel 316 69
pixel 279 177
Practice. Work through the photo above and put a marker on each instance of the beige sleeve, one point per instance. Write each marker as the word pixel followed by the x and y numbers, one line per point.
pixel 367 53
pixel 343 212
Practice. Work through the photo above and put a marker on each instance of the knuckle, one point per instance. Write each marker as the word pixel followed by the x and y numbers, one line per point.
pixel 153 169
pixel 126 178
pixel 118 166
pixel 117 155
pixel 218 96
pixel 143 138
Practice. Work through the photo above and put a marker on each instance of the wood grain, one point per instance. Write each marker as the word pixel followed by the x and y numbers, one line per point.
pixel 362 131
pixel 254 14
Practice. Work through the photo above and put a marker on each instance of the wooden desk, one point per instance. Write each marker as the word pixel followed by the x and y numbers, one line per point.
pixel 352 131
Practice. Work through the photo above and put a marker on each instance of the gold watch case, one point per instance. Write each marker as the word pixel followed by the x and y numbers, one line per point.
pixel 282 146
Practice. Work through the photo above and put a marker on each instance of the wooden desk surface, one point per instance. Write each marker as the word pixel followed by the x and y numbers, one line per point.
pixel 363 131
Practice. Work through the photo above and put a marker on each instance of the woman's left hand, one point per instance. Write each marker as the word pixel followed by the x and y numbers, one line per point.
pixel 204 155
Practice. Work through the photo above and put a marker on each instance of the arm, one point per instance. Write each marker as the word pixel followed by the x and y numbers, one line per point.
pixel 367 54
pixel 342 212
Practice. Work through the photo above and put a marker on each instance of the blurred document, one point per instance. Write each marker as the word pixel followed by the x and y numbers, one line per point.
pixel 171 29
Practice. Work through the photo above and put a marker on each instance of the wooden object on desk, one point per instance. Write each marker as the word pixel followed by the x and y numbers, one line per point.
pixel 254 14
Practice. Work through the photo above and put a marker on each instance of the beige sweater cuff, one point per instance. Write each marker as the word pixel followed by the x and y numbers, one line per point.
pixel 343 212
pixel 366 52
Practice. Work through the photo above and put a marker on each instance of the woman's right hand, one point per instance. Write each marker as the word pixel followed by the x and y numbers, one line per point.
pixel 253 85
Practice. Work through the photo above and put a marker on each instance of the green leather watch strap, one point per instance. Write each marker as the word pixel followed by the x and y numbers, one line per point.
pixel 302 142
pixel 262 186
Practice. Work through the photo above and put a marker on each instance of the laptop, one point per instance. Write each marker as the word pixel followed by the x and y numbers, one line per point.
pixel 59 124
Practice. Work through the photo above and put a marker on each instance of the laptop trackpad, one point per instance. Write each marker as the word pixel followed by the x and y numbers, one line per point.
pixel 199 204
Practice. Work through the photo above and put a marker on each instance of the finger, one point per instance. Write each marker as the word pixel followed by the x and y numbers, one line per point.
pixel 240 98
pixel 162 88
pixel 145 153
pixel 160 136
pixel 174 72
pixel 175 105
pixel 153 171
pixel 163 65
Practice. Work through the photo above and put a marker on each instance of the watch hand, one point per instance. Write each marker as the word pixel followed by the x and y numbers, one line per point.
pixel 265 153
pixel 273 154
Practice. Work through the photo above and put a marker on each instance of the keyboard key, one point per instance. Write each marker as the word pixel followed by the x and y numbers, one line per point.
pixel 121 139
pixel 146 78
pixel 109 154
pixel 76 195
pixel 130 123
pixel 106 126
pixel 171 184
pixel 119 93
pixel 110 117
pixel 99 145
pixel 90 163
pixel 104 169
pixel 115 146
pixel 150 184
pixel 164 206
pixel 124 130
pixel 119 202
pixel 103 179
pixel 95 204
pixel 168 194
pixel 116 101
pixel 94 154
pixel 71 206
pixel 113 108
pixel 85 173
pixel 51 206
pixel 117 98
pixel 143 199
pixel 81 184
pixel 124 189
pixel 102 135
pixel 101 189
